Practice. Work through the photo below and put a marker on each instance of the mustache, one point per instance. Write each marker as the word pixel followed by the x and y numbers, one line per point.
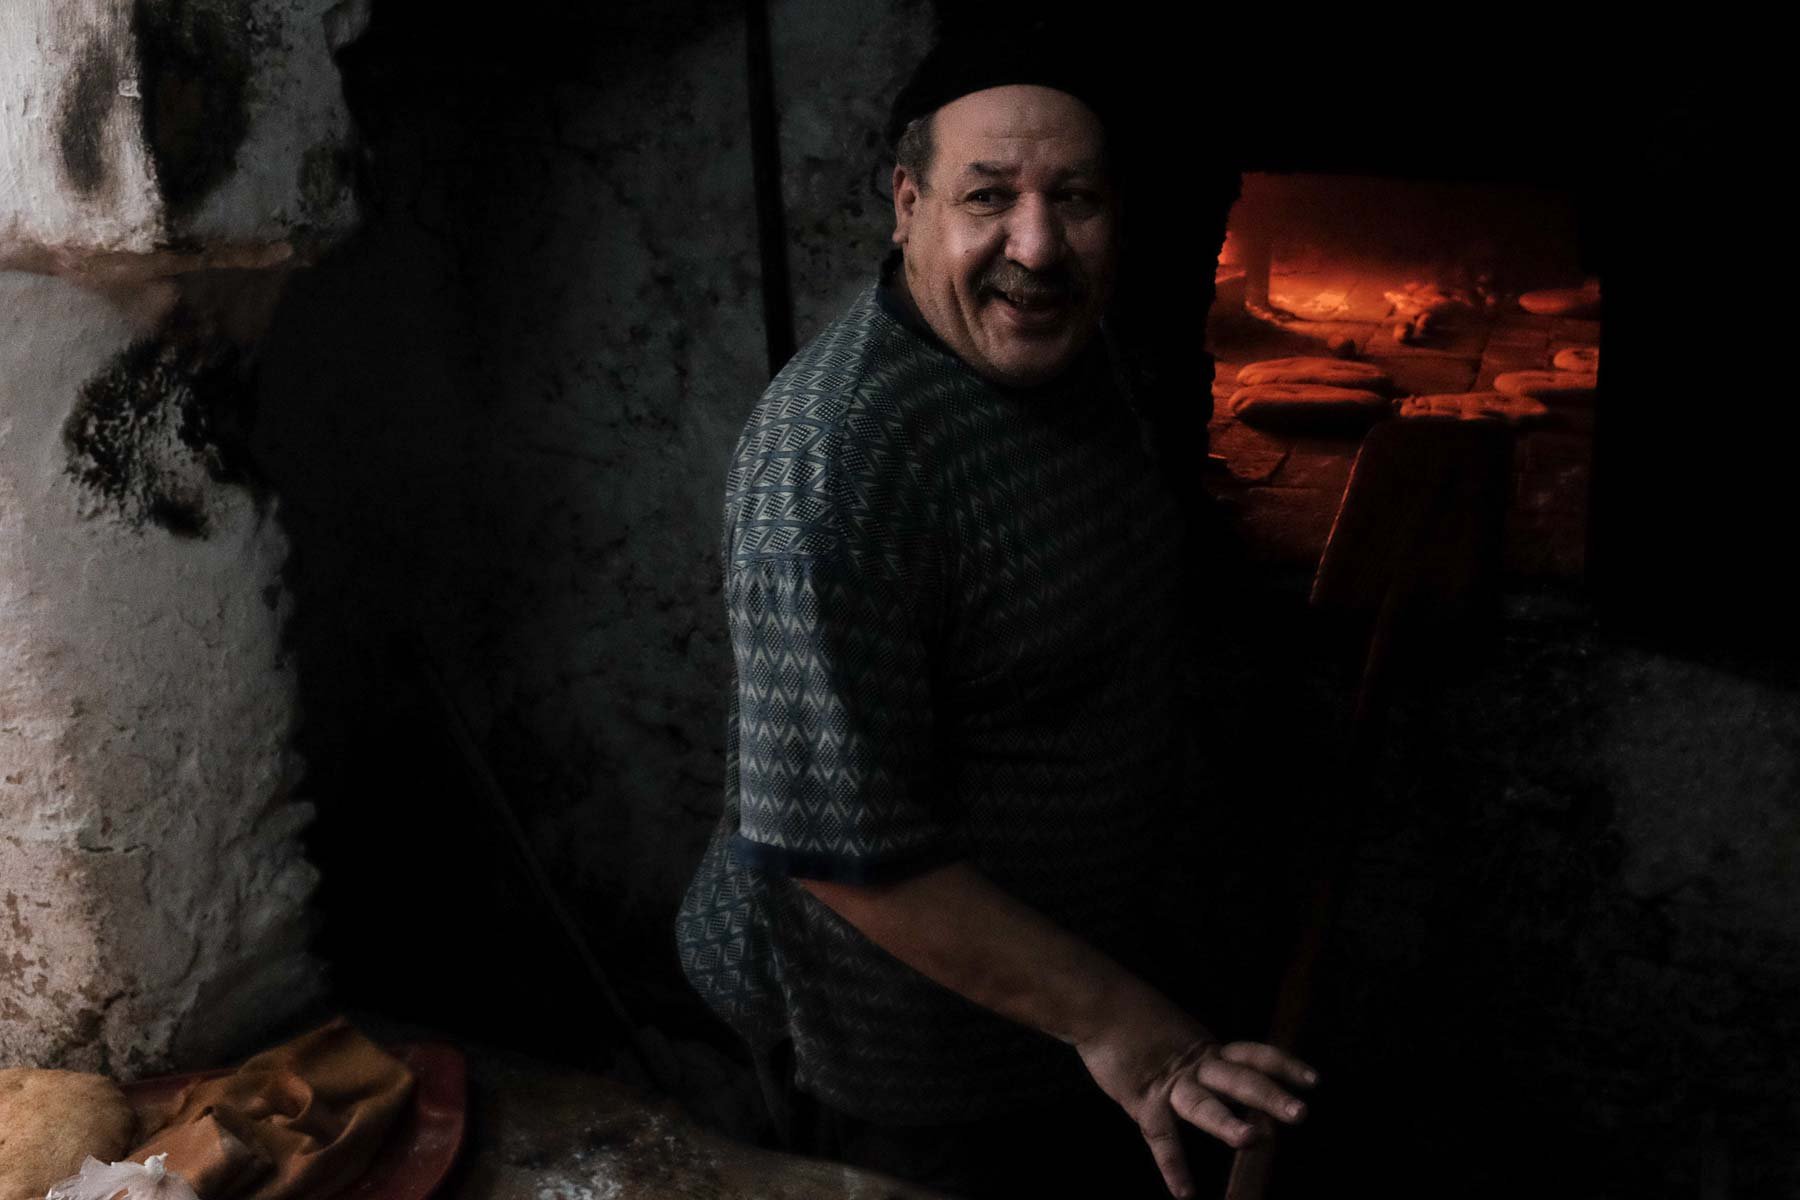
pixel 1022 283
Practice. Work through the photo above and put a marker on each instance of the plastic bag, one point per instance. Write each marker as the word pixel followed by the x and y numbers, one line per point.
pixel 148 1180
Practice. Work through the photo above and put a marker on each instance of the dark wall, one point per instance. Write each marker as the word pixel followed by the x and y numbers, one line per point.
pixel 498 419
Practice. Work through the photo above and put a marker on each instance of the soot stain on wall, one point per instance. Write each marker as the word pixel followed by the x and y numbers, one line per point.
pixel 163 420
pixel 194 71
pixel 326 172
pixel 85 106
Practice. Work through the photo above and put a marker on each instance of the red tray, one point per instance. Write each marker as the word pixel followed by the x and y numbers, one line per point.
pixel 421 1148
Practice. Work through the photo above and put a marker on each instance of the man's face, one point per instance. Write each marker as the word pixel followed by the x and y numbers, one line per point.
pixel 1010 239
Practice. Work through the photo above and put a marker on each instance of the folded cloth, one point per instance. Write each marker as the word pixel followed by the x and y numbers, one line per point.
pixel 215 1161
pixel 297 1122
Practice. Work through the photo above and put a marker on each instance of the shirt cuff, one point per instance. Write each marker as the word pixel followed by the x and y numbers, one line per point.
pixel 837 868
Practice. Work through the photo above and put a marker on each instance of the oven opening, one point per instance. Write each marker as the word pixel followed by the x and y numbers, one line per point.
pixel 1347 302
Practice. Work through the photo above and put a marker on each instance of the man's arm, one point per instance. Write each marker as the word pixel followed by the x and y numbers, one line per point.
pixel 954 926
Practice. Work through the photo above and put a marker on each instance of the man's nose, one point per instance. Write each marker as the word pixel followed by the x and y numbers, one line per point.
pixel 1034 237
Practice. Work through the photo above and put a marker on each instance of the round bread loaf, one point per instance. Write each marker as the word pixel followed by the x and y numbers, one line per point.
pixel 50 1121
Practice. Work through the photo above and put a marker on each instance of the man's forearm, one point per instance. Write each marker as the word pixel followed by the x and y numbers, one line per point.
pixel 956 927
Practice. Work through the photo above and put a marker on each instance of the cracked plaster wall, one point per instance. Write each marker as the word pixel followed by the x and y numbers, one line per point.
pixel 148 860
pixel 154 154
pixel 138 134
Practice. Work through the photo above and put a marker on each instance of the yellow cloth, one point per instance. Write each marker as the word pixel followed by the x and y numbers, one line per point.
pixel 297 1122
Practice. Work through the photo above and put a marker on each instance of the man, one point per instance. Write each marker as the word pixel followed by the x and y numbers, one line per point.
pixel 950 576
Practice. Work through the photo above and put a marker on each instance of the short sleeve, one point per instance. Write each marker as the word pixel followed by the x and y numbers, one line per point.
pixel 834 710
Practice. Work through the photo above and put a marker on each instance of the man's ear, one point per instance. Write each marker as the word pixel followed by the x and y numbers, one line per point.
pixel 906 198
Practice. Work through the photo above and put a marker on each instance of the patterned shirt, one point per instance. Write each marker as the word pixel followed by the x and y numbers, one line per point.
pixel 952 615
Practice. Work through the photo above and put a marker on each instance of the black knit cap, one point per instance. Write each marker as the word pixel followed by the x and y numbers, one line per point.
pixel 968 61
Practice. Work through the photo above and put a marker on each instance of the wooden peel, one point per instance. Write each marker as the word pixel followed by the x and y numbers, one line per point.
pixel 1418 533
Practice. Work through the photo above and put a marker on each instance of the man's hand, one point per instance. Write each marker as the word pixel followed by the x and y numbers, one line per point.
pixel 954 926
pixel 1161 1067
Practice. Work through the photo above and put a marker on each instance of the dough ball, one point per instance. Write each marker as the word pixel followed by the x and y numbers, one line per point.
pixel 1551 387
pixel 1562 302
pixel 50 1121
pixel 1581 359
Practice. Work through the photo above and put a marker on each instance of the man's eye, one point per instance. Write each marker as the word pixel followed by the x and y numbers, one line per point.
pixel 1079 202
pixel 986 197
